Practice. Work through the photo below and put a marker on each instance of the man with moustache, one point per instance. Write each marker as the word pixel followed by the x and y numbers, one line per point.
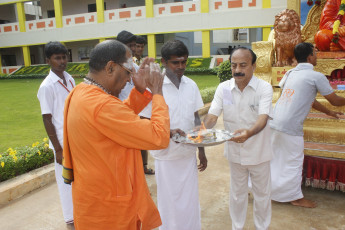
pixel 52 94
pixel 246 102
pixel 102 138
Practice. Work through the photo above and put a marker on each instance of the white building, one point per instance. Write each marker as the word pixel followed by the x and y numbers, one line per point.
pixel 205 26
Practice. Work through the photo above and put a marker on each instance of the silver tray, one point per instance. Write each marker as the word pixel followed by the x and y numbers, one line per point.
pixel 219 137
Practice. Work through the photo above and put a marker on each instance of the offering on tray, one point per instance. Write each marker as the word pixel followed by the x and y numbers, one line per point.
pixel 206 137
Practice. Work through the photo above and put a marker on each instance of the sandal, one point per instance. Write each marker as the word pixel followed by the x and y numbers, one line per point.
pixel 149 171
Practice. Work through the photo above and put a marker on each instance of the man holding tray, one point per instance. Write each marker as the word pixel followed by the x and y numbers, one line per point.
pixel 176 166
pixel 246 102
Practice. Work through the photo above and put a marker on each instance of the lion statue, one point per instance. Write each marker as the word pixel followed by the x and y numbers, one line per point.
pixel 287 34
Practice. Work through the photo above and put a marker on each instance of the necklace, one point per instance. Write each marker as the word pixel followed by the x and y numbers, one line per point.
pixel 93 82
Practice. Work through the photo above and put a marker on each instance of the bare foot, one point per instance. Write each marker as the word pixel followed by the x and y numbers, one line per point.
pixel 304 203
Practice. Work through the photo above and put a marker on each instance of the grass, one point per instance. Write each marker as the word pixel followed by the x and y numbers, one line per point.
pixel 21 121
pixel 205 81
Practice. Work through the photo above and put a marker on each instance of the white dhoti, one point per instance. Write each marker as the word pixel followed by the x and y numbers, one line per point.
pixel 65 192
pixel 261 189
pixel 286 166
pixel 178 194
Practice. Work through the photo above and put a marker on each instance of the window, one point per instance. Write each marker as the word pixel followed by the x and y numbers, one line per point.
pixel 84 53
pixel 51 13
pixel 159 38
pixel 93 7
pixel 241 35
pixel 8 60
pixel 69 55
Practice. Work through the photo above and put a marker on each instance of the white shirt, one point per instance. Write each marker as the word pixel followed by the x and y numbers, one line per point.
pixel 52 94
pixel 300 87
pixel 241 111
pixel 182 103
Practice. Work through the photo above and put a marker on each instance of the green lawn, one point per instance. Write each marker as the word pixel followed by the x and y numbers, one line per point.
pixel 20 118
pixel 205 81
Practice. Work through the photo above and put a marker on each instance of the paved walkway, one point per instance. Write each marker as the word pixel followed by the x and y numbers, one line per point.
pixel 41 210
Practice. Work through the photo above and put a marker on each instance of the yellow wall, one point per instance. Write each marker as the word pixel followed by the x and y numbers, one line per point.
pixel 26 55
pixel 266 30
pixel 151 45
pixel 149 8
pixel 206 43
pixel 58 13
pixel 204 6
pixel 21 16
pixel 100 11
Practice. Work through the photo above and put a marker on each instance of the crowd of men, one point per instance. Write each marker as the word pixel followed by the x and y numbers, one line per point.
pixel 101 131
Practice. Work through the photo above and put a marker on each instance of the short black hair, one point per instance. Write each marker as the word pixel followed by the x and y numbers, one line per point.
pixel 126 37
pixel 54 47
pixel 302 51
pixel 244 48
pixel 141 40
pixel 174 48
pixel 109 50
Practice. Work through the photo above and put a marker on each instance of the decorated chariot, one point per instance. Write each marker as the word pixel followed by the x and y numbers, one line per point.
pixel 324 162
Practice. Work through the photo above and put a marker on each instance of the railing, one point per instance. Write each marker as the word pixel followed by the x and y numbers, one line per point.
pixel 125 14
pixel 9 28
pixel 178 8
pixel 42 24
pixel 79 19
pixel 9 69
pixel 221 5
pixel 160 10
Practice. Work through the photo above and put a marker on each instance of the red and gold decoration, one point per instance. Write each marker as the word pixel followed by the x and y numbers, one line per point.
pixel 310 2
pixel 337 22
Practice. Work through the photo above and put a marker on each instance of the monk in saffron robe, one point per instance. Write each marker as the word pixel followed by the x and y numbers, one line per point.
pixel 328 17
pixel 103 137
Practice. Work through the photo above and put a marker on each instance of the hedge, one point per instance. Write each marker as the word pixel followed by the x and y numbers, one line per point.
pixel 194 65
pixel 21 160
pixel 41 71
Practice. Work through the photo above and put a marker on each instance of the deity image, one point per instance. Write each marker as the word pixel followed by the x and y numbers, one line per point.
pixel 329 16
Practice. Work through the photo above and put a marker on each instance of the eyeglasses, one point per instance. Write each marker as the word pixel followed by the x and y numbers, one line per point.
pixel 130 72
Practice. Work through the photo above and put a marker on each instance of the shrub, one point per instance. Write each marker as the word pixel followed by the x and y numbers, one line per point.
pixel 20 160
pixel 41 71
pixel 201 71
pixel 3 75
pixel 208 94
pixel 224 71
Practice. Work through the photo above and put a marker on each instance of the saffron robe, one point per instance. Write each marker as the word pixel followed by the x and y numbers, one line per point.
pixel 102 141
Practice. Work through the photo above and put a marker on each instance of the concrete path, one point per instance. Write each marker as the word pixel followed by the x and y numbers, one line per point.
pixel 41 210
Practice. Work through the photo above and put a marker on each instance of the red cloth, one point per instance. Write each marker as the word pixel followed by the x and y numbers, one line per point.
pixel 324 173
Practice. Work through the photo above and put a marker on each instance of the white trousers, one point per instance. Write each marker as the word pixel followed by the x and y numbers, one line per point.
pixel 65 192
pixel 178 194
pixel 286 166
pixel 261 189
